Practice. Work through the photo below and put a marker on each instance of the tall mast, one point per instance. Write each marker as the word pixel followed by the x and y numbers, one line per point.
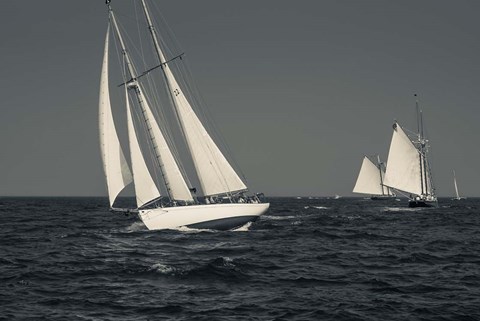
pixel 133 84
pixel 215 174
pixel 420 141
pixel 162 60
pixel 158 50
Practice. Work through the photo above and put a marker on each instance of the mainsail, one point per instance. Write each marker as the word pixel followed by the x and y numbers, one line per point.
pixel 403 166
pixel 116 169
pixel 215 173
pixel 369 180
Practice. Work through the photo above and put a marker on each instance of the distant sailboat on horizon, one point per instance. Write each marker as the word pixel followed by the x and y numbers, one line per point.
pixel 370 180
pixel 458 197
pixel 408 169
pixel 223 204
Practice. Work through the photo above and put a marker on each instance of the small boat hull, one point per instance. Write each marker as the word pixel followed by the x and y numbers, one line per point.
pixel 421 203
pixel 209 216
pixel 382 198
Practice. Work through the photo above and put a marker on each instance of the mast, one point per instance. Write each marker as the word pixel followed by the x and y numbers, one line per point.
pixel 381 176
pixel 420 138
pixel 215 173
pixel 162 62
pixel 133 84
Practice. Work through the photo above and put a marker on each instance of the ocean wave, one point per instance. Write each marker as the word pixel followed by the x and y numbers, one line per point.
pixel 190 230
pixel 244 228
pixel 163 269
pixel 402 209
pixel 277 217
pixel 135 227
pixel 317 207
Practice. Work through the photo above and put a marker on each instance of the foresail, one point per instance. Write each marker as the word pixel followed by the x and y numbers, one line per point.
pixel 403 165
pixel 116 169
pixel 215 173
pixel 368 181
pixel 145 188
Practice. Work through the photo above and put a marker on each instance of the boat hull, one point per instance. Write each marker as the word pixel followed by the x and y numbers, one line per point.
pixel 210 216
pixel 421 203
pixel 382 198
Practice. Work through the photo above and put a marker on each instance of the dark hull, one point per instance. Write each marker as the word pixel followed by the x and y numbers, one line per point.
pixel 225 224
pixel 382 198
pixel 415 203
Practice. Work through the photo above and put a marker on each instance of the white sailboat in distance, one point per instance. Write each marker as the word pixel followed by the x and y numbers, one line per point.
pixel 224 203
pixel 370 180
pixel 457 195
pixel 408 169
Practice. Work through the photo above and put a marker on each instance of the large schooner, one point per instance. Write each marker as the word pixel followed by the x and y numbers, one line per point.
pixel 408 169
pixel 223 203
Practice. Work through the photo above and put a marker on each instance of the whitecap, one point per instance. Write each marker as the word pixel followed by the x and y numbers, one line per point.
pixel 135 227
pixel 162 268
pixel 277 218
pixel 401 209
pixel 186 229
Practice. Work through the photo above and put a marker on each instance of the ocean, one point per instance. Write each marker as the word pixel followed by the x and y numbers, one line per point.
pixel 306 259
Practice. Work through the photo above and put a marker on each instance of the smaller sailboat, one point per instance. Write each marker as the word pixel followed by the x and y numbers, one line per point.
pixel 458 197
pixel 370 180
pixel 408 169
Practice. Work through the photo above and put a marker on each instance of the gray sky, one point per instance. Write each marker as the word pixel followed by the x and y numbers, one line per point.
pixel 300 90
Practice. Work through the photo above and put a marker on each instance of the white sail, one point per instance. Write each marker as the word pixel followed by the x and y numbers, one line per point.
pixel 215 173
pixel 145 188
pixel 455 183
pixel 174 181
pixel 403 165
pixel 369 180
pixel 172 176
pixel 116 169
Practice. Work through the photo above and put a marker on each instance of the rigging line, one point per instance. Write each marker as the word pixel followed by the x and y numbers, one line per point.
pixel 137 88
pixel 149 143
pixel 180 165
pixel 173 79
pixel 146 72
pixel 124 75
pixel 166 129
pixel 159 20
pixel 142 52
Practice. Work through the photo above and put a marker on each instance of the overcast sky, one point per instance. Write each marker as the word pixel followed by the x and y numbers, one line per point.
pixel 300 90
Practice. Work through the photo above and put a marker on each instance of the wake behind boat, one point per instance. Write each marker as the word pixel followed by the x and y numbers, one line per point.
pixel 224 203
pixel 408 169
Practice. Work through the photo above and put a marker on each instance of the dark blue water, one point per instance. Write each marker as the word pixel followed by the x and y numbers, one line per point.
pixel 307 259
